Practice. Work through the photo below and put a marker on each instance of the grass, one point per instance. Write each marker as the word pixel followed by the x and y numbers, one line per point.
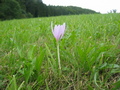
pixel 89 52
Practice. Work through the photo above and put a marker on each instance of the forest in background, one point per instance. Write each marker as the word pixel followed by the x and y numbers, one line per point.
pixel 14 9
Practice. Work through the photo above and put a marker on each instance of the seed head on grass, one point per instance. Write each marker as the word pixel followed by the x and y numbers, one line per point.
pixel 58 31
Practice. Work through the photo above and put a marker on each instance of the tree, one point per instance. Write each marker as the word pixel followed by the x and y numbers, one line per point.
pixel 9 9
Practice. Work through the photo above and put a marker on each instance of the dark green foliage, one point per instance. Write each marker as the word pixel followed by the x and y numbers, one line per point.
pixel 67 10
pixel 10 9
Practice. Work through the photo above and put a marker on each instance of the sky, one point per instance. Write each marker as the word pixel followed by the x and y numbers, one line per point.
pixel 102 6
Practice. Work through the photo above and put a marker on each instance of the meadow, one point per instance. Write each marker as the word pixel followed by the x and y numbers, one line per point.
pixel 89 53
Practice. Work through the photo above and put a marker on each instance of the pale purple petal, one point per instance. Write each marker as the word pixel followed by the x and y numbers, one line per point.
pixel 56 32
pixel 62 30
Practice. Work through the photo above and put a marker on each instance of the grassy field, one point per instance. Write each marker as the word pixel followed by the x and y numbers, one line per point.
pixel 89 52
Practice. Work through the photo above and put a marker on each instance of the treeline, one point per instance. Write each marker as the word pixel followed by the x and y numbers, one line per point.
pixel 11 9
pixel 67 10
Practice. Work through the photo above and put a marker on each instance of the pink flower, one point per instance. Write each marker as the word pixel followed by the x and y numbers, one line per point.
pixel 58 31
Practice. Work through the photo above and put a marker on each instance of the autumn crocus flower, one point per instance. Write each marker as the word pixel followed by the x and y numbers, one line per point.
pixel 58 31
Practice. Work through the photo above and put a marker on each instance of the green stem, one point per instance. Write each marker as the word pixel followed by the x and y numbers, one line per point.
pixel 58 53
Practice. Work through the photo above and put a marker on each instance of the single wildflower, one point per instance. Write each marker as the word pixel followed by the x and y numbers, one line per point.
pixel 58 31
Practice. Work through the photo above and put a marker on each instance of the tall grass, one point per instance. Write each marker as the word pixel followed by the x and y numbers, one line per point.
pixel 89 52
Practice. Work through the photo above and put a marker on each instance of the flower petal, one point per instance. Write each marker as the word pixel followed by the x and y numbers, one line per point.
pixel 62 30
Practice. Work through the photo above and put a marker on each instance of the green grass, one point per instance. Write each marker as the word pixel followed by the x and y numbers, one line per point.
pixel 89 52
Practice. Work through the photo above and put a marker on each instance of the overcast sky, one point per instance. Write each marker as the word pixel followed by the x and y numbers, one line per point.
pixel 103 6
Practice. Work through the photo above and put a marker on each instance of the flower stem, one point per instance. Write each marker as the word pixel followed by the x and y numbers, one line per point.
pixel 58 53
